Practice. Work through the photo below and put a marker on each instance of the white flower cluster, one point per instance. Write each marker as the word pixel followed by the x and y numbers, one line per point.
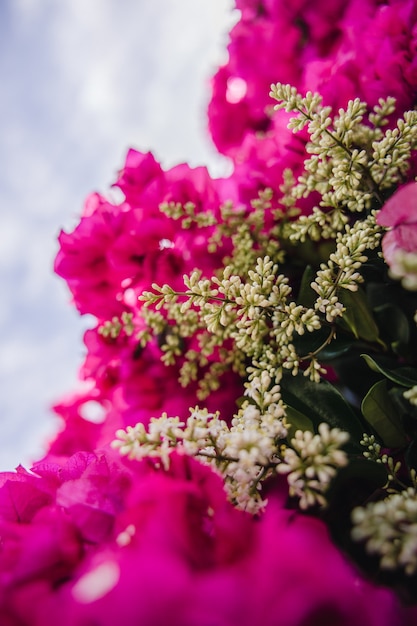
pixel 404 267
pixel 342 269
pixel 116 325
pixel 187 214
pixel 312 462
pixel 343 168
pixel 389 530
pixel 246 317
pixel 244 453
pixel 373 452
pixel 247 452
pixel 254 312
pixel 372 448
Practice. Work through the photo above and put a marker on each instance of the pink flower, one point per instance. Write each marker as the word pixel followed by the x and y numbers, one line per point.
pixel 290 574
pixel 241 99
pixel 374 57
pixel 86 424
pixel 106 533
pixel 82 260
pixel 141 180
pixel 263 159
pixel 117 251
pixel 399 244
pixel 95 540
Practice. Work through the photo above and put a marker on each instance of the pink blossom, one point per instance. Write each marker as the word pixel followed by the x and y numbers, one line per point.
pixel 117 251
pixel 141 180
pixel 292 575
pixel 399 244
pixel 342 50
pixel 131 544
pixel 86 423
pixel 375 56
pixel 241 88
pixel 274 41
pixel 82 259
pixel 263 159
pixel 400 214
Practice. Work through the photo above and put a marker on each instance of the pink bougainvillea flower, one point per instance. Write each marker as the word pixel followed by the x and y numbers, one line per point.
pixel 240 103
pixel 374 57
pixel 400 214
pixel 82 259
pixel 87 423
pixel 166 547
pixel 117 251
pixel 399 244
pixel 141 180
pixel 290 574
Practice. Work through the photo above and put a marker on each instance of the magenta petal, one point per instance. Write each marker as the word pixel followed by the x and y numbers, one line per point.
pixel 401 208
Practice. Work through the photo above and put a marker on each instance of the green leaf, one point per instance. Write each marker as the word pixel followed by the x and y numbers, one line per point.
pixel 298 421
pixel 358 317
pixel 355 376
pixel 321 402
pixel 359 471
pixel 336 348
pixel 404 376
pixel 411 455
pixel 393 324
pixel 379 412
pixel 311 342
pixel 306 295
pixel 352 486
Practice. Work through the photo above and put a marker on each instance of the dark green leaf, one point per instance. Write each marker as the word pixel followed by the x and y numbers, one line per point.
pixel 312 342
pixel 352 486
pixel 336 348
pixel 379 411
pixel 306 295
pixel 358 317
pixel 404 376
pixel 359 470
pixel 354 375
pixel 393 324
pixel 298 421
pixel 321 402
pixel 411 455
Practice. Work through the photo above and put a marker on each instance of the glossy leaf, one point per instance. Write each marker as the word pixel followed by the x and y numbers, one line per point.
pixel 411 455
pixel 358 317
pixel 321 402
pixel 353 485
pixel 393 324
pixel 359 471
pixel 379 411
pixel 306 295
pixel 298 421
pixel 311 342
pixel 404 376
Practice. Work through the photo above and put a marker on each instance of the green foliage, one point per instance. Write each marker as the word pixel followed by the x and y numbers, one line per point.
pixel 380 413
pixel 404 376
pixel 321 402
pixel 357 316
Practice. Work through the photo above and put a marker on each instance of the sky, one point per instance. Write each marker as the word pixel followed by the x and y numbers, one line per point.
pixel 81 82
